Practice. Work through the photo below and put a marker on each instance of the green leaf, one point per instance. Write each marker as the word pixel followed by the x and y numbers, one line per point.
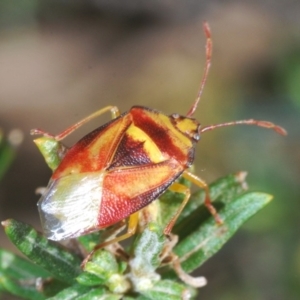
pixel 139 297
pixel 105 266
pixel 25 289
pixel 62 264
pixel 89 279
pixel 80 292
pixel 19 268
pixel 222 191
pixel 72 293
pixel 7 154
pixel 17 271
pixel 99 294
pixel 171 290
pixel 204 242
pixel 90 241
pixel 169 203
pixel 146 257
pixel 52 150
pixel 148 246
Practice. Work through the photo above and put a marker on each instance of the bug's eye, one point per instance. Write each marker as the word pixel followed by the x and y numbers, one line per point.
pixel 175 116
pixel 196 136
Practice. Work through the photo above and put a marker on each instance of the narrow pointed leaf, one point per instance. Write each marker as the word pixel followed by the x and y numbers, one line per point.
pixel 145 257
pixel 25 274
pixel 89 241
pixel 71 293
pixel 169 203
pixel 7 154
pixel 89 279
pixel 222 190
pixel 51 256
pixel 139 297
pixel 52 150
pixel 19 268
pixel 25 289
pixel 171 290
pixel 204 242
pixel 80 292
pixel 99 294
pixel 105 266
pixel 147 248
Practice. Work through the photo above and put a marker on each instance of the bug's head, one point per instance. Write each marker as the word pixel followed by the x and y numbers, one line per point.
pixel 188 126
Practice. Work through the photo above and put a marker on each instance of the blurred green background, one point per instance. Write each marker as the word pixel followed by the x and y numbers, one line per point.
pixel 62 60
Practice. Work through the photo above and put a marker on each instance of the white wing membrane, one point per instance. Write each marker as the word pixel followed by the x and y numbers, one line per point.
pixel 70 206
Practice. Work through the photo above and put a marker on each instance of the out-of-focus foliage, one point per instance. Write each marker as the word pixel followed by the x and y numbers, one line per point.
pixel 8 146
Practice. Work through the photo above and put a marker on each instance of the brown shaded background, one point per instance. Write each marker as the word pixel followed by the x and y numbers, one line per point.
pixel 61 60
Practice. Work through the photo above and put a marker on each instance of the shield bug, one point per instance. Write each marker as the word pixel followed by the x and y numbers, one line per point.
pixel 122 166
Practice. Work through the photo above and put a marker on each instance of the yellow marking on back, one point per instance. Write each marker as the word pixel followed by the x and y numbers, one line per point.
pixel 149 146
pixel 179 139
pixel 108 137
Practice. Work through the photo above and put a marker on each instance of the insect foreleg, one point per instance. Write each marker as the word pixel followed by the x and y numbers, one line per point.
pixel 202 184
pixel 114 112
pixel 178 188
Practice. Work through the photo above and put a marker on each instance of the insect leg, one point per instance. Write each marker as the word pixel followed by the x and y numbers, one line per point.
pixel 131 229
pixel 178 188
pixel 202 184
pixel 114 112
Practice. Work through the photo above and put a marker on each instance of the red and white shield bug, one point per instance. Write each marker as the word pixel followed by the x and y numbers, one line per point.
pixel 122 166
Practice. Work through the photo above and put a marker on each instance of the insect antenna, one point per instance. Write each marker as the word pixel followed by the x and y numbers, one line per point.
pixel 259 123
pixel 208 48
pixel 192 110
